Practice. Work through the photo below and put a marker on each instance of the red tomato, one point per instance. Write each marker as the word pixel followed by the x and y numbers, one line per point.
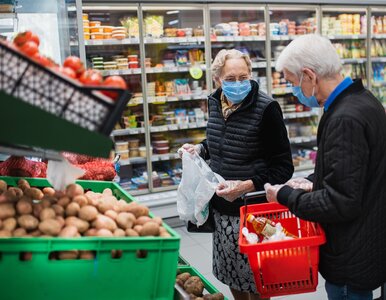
pixel 68 72
pixel 114 81
pixel 22 37
pixel 29 48
pixel 35 38
pixel 43 60
pixel 91 77
pixel 74 63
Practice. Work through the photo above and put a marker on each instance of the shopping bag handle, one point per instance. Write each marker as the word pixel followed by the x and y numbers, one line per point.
pixel 247 196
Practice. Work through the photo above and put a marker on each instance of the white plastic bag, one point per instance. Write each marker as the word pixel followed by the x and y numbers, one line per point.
pixel 197 187
pixel 62 173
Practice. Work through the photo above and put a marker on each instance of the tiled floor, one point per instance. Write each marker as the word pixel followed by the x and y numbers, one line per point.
pixel 196 248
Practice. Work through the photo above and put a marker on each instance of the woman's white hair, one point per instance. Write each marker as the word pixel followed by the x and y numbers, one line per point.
pixel 222 57
pixel 310 51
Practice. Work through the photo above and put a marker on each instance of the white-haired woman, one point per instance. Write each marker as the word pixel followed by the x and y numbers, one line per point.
pixel 349 184
pixel 247 144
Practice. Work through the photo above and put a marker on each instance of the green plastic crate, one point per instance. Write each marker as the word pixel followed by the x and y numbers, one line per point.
pixel 182 261
pixel 192 271
pixel 103 278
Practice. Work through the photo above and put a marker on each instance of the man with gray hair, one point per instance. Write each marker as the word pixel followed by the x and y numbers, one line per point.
pixel 347 195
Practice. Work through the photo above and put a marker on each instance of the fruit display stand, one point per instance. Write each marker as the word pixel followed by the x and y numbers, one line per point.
pixel 54 112
pixel 150 275
pixel 209 288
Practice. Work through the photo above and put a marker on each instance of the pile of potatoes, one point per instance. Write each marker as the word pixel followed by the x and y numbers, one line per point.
pixel 30 212
pixel 194 286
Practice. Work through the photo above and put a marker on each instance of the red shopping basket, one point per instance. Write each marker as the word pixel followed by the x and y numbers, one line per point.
pixel 283 267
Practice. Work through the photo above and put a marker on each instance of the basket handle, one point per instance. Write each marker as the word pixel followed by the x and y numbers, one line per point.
pixel 247 196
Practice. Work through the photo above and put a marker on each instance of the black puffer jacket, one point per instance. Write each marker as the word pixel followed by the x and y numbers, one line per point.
pixel 349 197
pixel 251 144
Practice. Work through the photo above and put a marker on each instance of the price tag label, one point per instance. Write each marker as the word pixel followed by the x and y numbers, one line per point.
pixel 183 126
pixel 97 42
pixel 164 157
pixel 186 97
pixel 172 98
pixel 173 69
pixel 154 129
pixel 154 158
pixel 173 127
pixel 192 40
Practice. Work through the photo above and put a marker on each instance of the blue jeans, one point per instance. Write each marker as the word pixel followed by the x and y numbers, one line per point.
pixel 344 292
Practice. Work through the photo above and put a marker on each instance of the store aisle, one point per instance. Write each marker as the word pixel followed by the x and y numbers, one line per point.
pixel 196 248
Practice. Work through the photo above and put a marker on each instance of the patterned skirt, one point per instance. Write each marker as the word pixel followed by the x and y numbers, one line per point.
pixel 229 265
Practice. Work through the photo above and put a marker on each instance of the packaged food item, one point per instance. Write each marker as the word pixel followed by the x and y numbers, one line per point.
pixel 87 36
pixel 85 17
pixel 121 146
pixel 97 36
pixel 142 151
pixel 95 23
pixel 108 29
pixel 161 150
pixel 133 143
pixel 154 26
pixel 134 152
pixel 123 154
pixel 133 65
pixel 265 226
pixel 131 25
pixel 161 143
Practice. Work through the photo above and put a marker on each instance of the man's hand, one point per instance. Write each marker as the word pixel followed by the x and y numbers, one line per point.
pixel 190 148
pixel 272 191
pixel 300 183
pixel 231 190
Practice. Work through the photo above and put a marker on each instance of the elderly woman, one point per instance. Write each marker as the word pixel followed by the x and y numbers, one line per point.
pixel 247 144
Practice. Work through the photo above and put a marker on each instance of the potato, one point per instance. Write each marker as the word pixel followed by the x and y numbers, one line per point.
pixel 34 193
pixel 105 206
pixel 7 210
pixel 18 191
pixel 158 220
pixel 19 232
pixel 162 230
pixel 107 192
pixel 103 222
pixel 111 214
pixel 131 232
pixel 64 201
pixel 35 233
pixel 61 220
pixel 194 286
pixel 24 207
pixel 149 229
pixel 86 255
pixel 28 222
pixel 49 191
pixel 119 232
pixel 59 194
pixel 81 200
pixel 68 254
pixel 104 233
pixel 47 213
pixel 47 202
pixel 180 283
pixel 23 184
pixel 74 190
pixel 5 233
pixel 68 231
pixel 165 234
pixel 125 220
pixel 142 220
pixel 217 296
pixel 139 210
pixel 37 208
pixel 184 276
pixel 59 210
pixel 88 213
pixel 8 196
pixel 3 186
pixel 72 209
pixel 81 225
pixel 137 228
pixel 50 227
pixel 9 224
pixel 91 232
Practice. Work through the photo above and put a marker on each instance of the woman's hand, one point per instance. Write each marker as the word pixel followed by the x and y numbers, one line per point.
pixel 271 191
pixel 231 190
pixel 190 149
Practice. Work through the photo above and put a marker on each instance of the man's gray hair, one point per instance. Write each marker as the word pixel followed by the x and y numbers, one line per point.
pixel 310 51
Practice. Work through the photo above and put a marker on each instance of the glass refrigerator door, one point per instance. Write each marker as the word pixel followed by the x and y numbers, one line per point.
pixel 111 37
pixel 243 29
pixel 346 28
pixel 378 54
pixel 287 23
pixel 176 86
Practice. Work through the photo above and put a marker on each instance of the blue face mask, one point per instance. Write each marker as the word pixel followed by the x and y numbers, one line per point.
pixel 307 101
pixel 236 91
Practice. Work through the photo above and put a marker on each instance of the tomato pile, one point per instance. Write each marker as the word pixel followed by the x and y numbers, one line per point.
pixel 28 43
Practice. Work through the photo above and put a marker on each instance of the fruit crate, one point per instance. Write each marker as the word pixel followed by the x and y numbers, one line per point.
pixel 209 288
pixel 283 267
pixel 42 87
pixel 149 276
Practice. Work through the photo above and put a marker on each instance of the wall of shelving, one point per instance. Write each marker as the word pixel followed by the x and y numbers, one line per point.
pixel 165 57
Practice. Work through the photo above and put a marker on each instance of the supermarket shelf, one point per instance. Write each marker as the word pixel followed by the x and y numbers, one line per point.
pixel 121 72
pixel 304 114
pixel 378 59
pixel 163 99
pixel 133 161
pixel 281 91
pixel 353 60
pixel 136 71
pixel 164 157
pixel 257 65
pixel 171 127
pixel 7 15
pixel 378 84
pixel 379 36
pixel 302 139
pixel 128 131
pixel 238 38
pixel 111 42
pixel 284 37
pixel 137 192
pixel 347 36
pixel 165 188
pixel 135 41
